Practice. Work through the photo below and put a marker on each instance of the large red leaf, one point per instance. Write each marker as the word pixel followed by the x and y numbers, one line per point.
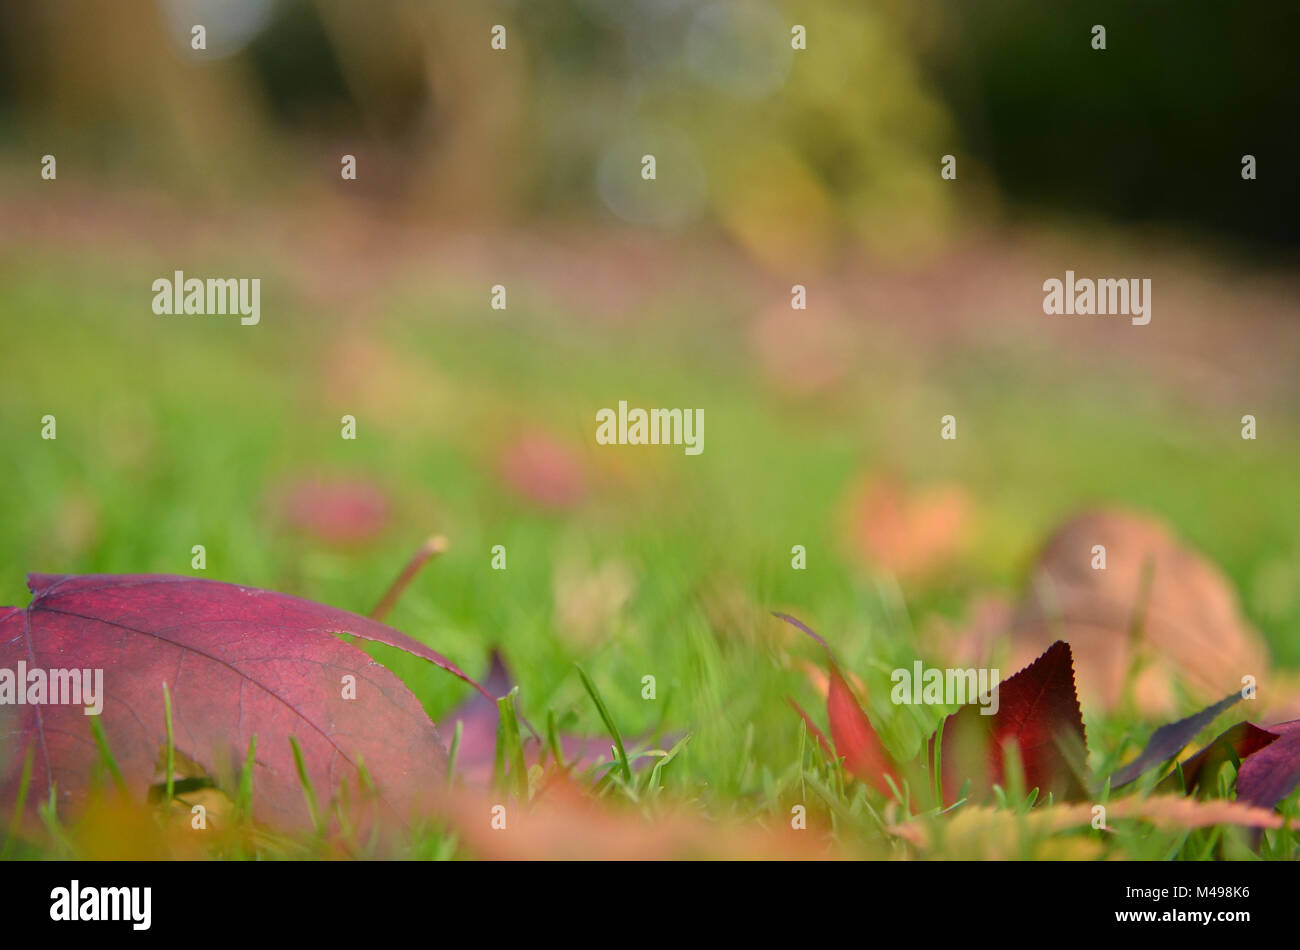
pixel 1038 712
pixel 238 662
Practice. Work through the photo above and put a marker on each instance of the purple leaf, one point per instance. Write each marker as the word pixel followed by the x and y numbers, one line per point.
pixel 1167 741
pixel 476 754
pixel 1272 773
pixel 1241 741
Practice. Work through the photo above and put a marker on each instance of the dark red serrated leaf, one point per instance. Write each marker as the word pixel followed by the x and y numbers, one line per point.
pixel 1167 741
pixel 855 741
pixel 1240 741
pixel 238 662
pixel 1038 711
pixel 1272 773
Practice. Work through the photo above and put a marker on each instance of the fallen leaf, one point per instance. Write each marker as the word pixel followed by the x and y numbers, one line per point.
pixel 565 824
pixel 1202 769
pixel 1272 773
pixel 909 533
pixel 987 832
pixel 335 510
pixel 476 754
pixel 478 716
pixel 543 470
pixel 110 828
pixel 1191 632
pixel 855 741
pixel 1178 811
pixel 1039 712
pixel 1169 740
pixel 238 662
pixel 813 728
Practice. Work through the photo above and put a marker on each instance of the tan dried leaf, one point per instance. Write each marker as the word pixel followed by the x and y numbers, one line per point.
pixel 1192 632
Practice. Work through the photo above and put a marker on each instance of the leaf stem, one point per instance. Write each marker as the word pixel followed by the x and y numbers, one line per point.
pixel 431 548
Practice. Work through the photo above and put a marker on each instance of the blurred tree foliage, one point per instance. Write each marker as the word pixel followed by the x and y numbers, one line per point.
pixel 792 153
pixel 788 151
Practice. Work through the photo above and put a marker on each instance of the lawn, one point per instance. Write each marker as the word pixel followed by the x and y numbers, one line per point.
pixel 633 561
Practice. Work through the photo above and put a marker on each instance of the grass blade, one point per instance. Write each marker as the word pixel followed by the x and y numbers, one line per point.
pixel 19 804
pixel 171 745
pixel 305 781
pixel 454 751
pixel 652 783
pixel 101 740
pixel 553 739
pixel 245 800
pixel 512 746
pixel 609 723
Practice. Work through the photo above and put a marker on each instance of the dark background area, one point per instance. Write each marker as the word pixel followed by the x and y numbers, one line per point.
pixel 1150 130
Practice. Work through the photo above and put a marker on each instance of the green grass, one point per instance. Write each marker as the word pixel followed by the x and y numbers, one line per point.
pixel 173 431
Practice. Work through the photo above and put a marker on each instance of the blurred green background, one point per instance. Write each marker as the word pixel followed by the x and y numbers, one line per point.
pixel 521 167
